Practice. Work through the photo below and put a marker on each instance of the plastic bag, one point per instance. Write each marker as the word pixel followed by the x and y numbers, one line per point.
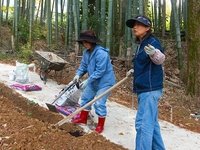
pixel 21 72
pixel 71 96
pixel 28 87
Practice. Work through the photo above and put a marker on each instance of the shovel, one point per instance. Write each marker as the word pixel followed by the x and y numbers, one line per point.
pixel 51 106
pixel 61 122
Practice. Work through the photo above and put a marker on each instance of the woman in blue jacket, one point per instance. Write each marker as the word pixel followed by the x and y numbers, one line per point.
pixel 97 64
pixel 148 84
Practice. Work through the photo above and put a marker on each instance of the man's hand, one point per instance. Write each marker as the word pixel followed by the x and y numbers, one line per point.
pixel 150 50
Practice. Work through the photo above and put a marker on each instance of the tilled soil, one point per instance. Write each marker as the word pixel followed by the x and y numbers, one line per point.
pixel 25 125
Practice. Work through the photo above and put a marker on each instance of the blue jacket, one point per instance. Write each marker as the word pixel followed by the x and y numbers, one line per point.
pixel 98 66
pixel 147 75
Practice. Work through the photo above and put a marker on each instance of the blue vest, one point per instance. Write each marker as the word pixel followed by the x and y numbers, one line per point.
pixel 147 75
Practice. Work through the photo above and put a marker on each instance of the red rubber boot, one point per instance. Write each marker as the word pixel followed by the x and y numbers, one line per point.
pixel 82 119
pixel 100 126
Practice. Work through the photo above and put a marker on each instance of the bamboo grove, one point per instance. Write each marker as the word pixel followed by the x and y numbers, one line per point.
pixel 106 17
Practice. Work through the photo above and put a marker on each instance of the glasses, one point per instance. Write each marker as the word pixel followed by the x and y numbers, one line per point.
pixel 148 22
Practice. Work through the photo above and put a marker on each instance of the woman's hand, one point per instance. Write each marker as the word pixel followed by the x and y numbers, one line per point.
pixel 150 50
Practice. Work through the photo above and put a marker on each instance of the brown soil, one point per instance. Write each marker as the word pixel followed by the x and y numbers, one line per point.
pixel 28 126
pixel 25 125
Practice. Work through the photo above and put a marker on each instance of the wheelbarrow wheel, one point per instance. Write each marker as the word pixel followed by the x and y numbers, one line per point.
pixel 43 76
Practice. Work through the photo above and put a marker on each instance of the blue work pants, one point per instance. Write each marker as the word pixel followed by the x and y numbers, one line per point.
pixel 148 135
pixel 100 105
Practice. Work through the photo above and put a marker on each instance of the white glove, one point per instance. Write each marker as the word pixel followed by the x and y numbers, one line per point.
pixel 76 78
pixel 83 84
pixel 150 50
pixel 131 71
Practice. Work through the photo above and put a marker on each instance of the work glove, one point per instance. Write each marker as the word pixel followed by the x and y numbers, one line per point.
pixel 131 71
pixel 83 84
pixel 150 50
pixel 76 78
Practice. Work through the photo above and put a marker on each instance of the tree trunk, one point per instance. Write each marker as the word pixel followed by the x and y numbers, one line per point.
pixel 193 41
pixel 15 24
pixel 103 24
pixel 85 15
pixel 109 27
pixel 178 33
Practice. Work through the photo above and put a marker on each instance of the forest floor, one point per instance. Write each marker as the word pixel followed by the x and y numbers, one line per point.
pixel 27 126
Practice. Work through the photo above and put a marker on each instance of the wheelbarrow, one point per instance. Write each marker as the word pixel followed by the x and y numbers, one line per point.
pixel 49 61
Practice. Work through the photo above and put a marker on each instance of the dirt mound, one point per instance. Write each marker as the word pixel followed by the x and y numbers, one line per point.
pixel 26 125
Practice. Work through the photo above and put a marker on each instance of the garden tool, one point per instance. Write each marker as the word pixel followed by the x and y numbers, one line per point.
pixel 51 106
pixel 61 122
